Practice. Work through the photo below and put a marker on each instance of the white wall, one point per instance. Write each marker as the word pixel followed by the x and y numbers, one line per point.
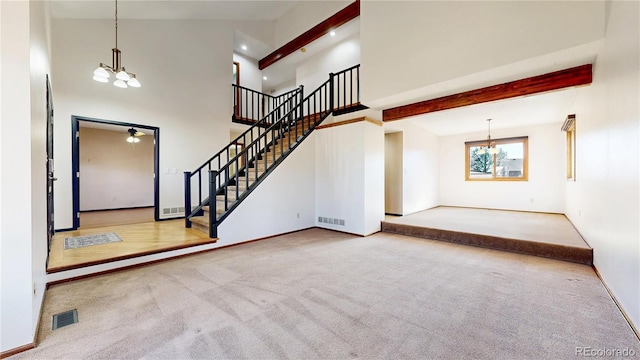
pixel 283 202
pixel 23 241
pixel 314 71
pixel 304 16
pixel 543 192
pixel 114 174
pixel 261 31
pixel 420 166
pixel 350 177
pixel 339 177
pixel 185 71
pixel 40 62
pixel 373 177
pixel 283 88
pixel 399 38
pixel 393 173
pixel 603 201
pixel 250 75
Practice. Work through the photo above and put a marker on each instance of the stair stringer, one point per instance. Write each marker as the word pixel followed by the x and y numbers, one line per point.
pixel 274 206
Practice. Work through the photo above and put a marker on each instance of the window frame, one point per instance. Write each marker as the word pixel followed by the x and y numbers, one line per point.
pixel 494 142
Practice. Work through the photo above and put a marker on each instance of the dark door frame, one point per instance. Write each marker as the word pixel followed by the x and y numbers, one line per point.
pixel 50 168
pixel 75 156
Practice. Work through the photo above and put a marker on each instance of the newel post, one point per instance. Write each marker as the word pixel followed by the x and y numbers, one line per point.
pixel 331 92
pixel 301 101
pixel 187 198
pixel 213 226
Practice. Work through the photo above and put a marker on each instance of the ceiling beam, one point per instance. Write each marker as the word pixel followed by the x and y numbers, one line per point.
pixel 580 75
pixel 343 16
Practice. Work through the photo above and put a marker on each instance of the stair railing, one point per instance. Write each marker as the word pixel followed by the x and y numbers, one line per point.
pixel 228 153
pixel 250 106
pixel 339 94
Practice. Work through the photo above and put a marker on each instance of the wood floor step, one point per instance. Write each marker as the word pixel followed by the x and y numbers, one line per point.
pixel 200 223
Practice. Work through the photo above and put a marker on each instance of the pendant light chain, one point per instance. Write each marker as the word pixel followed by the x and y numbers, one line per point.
pixel 124 79
pixel 116 24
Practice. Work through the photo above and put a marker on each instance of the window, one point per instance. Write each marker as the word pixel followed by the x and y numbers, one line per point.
pixel 569 127
pixel 505 161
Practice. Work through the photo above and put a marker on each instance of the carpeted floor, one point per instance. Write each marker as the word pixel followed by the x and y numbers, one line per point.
pixel 318 294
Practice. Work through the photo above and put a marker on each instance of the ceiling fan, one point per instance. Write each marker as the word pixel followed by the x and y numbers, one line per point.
pixel 133 135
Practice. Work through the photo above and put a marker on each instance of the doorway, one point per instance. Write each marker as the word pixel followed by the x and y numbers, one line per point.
pixel 50 169
pixel 106 200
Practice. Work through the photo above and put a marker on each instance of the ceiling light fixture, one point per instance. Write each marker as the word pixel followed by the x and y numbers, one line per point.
pixel 264 78
pixel 332 33
pixel 244 47
pixel 133 136
pixel 491 150
pixel 123 79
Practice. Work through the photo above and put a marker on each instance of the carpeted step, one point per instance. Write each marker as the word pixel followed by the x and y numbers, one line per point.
pixel 553 251
pixel 220 200
pixel 241 187
pixel 219 209
pixel 251 174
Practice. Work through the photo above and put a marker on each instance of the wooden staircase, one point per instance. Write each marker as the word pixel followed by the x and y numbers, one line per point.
pixel 255 170
pixel 230 176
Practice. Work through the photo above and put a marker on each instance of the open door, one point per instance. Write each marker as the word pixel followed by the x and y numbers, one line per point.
pixel 50 169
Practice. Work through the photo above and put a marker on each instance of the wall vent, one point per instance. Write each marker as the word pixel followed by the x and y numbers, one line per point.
pixel 173 210
pixel 332 221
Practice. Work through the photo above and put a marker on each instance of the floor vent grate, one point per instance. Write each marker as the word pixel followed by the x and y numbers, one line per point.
pixel 65 318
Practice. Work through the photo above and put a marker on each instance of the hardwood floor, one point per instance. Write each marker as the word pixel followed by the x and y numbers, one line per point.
pixel 94 219
pixel 138 239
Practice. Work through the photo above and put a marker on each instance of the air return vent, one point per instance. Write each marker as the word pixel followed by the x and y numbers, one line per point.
pixel 331 221
pixel 64 319
pixel 173 210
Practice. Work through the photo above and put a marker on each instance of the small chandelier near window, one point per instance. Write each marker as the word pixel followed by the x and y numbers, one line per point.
pixel 123 79
pixel 489 149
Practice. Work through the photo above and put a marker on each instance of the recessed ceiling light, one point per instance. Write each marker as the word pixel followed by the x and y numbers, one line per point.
pixel 332 33
pixel 244 47
pixel 264 78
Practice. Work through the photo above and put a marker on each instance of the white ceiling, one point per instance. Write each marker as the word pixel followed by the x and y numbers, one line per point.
pixel 525 111
pixel 171 9
pixel 285 70
pixel 546 108
pixel 277 74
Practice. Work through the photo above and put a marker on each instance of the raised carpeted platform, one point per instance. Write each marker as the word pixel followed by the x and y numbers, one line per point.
pixel 539 234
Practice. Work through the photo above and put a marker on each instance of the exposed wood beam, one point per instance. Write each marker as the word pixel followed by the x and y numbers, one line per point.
pixel 341 17
pixel 580 75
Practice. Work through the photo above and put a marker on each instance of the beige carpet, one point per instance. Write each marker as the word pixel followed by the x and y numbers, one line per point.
pixel 318 294
pixel 541 234
pixel 523 225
